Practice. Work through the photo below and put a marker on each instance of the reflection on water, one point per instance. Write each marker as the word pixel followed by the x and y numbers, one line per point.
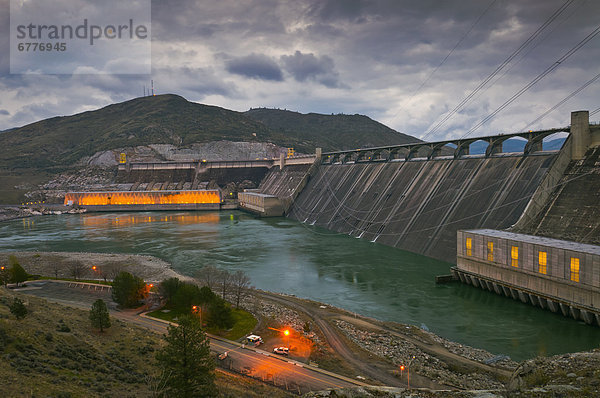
pixel 285 256
pixel 126 220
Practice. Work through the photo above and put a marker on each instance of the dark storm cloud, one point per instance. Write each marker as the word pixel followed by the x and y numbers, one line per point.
pixel 310 67
pixel 256 66
pixel 177 20
pixel 305 50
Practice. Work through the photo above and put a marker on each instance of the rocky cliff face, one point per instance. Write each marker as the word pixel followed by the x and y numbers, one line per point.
pixel 215 150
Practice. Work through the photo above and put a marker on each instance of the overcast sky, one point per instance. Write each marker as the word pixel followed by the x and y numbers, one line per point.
pixel 395 61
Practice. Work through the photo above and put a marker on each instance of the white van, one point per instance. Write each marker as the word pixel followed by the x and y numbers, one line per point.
pixel 254 339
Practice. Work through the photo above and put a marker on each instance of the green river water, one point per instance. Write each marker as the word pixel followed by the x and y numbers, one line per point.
pixel 283 255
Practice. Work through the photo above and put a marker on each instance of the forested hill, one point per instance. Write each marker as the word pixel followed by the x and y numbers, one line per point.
pixel 58 143
pixel 330 132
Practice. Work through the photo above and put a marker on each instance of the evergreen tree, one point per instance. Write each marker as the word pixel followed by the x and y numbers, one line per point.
pixel 186 360
pixel 128 290
pixel 17 308
pixel 187 295
pixel 168 288
pixel 99 315
pixel 220 314
pixel 17 273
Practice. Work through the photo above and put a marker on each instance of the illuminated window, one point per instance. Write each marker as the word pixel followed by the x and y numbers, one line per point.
pixel 469 245
pixel 574 269
pixel 542 262
pixel 490 251
pixel 514 256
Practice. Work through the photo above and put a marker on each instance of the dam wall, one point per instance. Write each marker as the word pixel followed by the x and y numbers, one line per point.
pixel 419 204
pixel 193 173
pixel 283 183
pixel 571 210
pixel 277 190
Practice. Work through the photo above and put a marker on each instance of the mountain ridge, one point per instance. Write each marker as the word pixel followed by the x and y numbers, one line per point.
pixel 58 143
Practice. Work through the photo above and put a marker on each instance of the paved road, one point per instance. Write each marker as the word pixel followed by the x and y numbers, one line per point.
pixel 270 368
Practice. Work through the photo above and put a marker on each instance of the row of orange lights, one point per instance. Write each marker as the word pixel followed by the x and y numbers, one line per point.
pixel 141 198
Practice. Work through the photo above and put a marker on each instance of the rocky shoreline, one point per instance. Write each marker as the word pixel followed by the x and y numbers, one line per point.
pixel 79 265
pixel 15 212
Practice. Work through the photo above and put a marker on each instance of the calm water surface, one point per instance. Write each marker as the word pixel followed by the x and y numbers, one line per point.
pixel 283 255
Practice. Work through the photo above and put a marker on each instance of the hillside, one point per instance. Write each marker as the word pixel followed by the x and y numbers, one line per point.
pixel 58 143
pixel 330 132
pixel 54 352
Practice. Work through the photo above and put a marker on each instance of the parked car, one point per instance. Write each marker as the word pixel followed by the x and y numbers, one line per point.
pixel 281 350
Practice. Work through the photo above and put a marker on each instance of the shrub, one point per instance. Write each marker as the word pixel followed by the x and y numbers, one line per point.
pixel 18 309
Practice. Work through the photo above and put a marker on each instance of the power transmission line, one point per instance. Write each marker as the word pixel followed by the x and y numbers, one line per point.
pixel 548 70
pixel 568 97
pixel 446 57
pixel 525 44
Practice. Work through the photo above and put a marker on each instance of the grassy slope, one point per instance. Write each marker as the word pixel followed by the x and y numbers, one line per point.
pixel 330 132
pixel 38 360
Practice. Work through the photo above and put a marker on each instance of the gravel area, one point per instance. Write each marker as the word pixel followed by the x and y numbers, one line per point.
pixel 283 315
pixel 400 352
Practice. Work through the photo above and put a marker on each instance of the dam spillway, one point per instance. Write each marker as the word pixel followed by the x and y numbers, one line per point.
pixel 418 205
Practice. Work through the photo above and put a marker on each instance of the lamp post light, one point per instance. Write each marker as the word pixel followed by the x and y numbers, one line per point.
pixel 408 371
pixel 286 333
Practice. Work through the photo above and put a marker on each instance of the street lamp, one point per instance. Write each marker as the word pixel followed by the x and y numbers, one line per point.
pixel 286 333
pixel 408 372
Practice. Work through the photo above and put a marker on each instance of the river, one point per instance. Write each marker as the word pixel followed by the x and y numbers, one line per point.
pixel 282 255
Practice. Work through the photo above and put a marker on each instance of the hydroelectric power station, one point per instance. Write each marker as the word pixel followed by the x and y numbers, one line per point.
pixel 420 197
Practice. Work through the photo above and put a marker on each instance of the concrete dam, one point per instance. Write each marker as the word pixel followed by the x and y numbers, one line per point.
pixel 419 205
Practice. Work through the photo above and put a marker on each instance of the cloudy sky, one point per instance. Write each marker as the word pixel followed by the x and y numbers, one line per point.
pixel 416 66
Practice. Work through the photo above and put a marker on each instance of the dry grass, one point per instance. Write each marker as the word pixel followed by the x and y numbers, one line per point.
pixel 54 352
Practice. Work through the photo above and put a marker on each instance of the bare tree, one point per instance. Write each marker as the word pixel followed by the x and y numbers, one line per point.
pixel 224 281
pixel 239 284
pixel 76 269
pixel 109 270
pixel 55 266
pixel 209 275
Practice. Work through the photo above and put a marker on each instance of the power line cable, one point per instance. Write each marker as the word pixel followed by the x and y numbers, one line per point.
pixel 526 53
pixel 523 45
pixel 568 97
pixel 546 72
pixel 464 36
